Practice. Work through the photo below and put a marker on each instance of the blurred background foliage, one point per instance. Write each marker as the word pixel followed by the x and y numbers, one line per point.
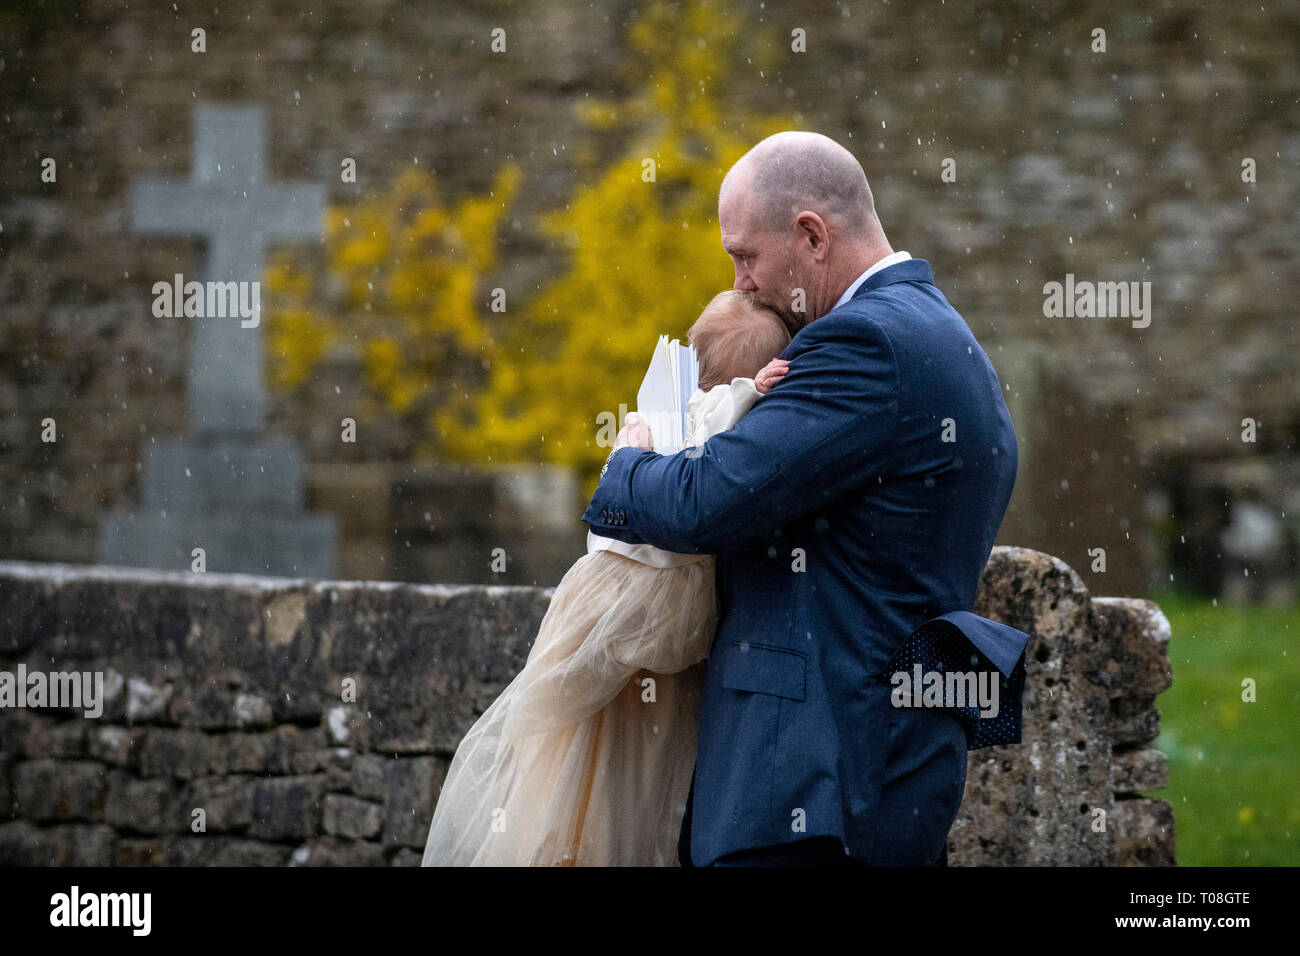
pixel 405 269
pixel 410 272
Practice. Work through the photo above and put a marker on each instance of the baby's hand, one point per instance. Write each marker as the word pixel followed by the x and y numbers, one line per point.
pixel 770 374
pixel 636 432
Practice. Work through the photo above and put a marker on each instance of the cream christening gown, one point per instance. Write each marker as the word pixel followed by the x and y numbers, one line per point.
pixel 585 758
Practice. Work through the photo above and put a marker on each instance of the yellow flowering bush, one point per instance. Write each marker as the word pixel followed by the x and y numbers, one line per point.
pixel 405 268
pixel 644 257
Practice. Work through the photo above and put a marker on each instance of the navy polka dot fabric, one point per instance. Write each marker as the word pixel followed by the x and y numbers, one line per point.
pixel 965 642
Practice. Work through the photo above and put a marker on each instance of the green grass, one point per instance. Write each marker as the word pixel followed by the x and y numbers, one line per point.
pixel 1234 767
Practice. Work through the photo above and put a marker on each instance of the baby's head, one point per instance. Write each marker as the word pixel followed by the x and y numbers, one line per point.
pixel 734 337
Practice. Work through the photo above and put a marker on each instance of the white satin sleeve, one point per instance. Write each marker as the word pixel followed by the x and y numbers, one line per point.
pixel 707 413
pixel 716 410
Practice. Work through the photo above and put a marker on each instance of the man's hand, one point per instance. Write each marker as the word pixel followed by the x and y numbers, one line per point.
pixel 770 374
pixel 635 433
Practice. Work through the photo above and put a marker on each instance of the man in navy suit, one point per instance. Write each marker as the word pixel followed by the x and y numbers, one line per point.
pixel 857 500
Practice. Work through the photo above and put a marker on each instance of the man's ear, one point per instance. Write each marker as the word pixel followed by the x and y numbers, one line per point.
pixel 812 230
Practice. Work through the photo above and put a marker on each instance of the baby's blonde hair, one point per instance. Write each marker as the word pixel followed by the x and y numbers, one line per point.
pixel 735 336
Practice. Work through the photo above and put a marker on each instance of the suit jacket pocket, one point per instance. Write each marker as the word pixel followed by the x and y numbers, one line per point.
pixel 764 669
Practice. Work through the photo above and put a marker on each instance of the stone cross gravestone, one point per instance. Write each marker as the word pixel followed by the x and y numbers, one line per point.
pixel 226 488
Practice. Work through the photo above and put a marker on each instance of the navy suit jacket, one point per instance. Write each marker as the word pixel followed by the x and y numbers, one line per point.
pixel 858 499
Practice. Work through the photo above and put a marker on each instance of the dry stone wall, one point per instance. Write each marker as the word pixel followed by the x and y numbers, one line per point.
pixel 224 693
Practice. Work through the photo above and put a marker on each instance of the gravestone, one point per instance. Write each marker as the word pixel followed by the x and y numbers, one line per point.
pixel 227 487
pixel 1080 483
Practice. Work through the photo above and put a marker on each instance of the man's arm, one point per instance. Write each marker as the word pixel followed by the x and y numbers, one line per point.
pixel 819 433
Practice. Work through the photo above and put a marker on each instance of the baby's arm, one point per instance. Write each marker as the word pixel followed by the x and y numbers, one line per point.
pixel 723 405
pixel 770 374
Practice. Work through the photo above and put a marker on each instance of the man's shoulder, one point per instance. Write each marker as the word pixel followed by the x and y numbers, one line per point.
pixel 856 325
pixel 882 302
pixel 896 310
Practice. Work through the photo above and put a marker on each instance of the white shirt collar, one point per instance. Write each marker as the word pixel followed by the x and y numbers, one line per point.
pixel 884 263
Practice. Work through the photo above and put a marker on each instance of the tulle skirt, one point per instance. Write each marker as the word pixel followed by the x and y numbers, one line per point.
pixel 586 757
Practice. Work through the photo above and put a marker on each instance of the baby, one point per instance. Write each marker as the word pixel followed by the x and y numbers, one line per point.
pixel 586 757
pixel 733 336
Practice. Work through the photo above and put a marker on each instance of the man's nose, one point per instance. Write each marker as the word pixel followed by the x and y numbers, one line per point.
pixel 744 283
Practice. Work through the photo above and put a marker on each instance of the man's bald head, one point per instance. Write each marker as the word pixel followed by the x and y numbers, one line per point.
pixel 798 220
pixel 795 171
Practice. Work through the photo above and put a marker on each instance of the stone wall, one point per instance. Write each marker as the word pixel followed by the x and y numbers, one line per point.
pixel 224 694
pixel 1094 668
